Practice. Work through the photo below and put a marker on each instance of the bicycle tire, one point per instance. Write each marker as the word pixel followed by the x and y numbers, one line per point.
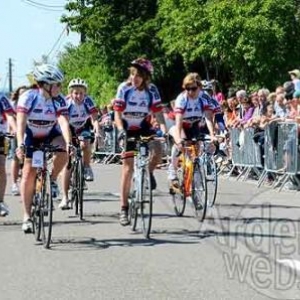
pixel 80 187
pixel 146 202
pixel 46 211
pixel 36 216
pixel 178 197
pixel 199 190
pixel 132 207
pixel 74 187
pixel 211 174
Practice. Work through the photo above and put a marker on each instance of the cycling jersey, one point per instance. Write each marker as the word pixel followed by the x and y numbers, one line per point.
pixel 192 110
pixel 216 107
pixel 80 113
pixel 41 113
pixel 5 107
pixel 137 105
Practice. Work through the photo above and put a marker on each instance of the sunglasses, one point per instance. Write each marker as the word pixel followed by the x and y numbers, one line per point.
pixel 192 88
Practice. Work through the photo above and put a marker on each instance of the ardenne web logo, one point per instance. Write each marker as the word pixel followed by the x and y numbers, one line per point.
pixel 258 249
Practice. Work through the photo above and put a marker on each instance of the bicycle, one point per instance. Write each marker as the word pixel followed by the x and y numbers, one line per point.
pixel 140 197
pixel 192 181
pixel 42 208
pixel 77 180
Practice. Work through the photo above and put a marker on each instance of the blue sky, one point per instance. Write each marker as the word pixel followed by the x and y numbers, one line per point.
pixel 26 33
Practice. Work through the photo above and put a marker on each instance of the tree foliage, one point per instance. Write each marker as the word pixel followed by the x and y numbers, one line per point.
pixel 83 62
pixel 245 42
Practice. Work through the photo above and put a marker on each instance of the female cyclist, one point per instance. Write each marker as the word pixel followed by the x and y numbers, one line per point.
pixel 193 114
pixel 6 118
pixel 83 116
pixel 39 111
pixel 136 100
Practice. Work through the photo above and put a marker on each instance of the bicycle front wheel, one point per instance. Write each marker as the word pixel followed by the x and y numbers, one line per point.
pixel 211 174
pixel 199 191
pixel 146 202
pixel 80 178
pixel 46 210
pixel 132 203
pixel 178 195
pixel 36 216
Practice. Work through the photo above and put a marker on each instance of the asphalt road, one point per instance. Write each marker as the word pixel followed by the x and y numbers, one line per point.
pixel 247 248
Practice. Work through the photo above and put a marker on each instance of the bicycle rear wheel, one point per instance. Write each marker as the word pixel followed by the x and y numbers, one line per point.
pixel 211 174
pixel 199 191
pixel 146 202
pixel 178 195
pixel 46 211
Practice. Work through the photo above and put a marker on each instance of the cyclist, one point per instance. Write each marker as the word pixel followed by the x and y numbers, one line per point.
pixel 6 118
pixel 207 86
pixel 83 116
pixel 136 99
pixel 193 112
pixel 39 112
pixel 15 163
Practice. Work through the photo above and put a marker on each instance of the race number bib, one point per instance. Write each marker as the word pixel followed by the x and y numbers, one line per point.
pixel 38 159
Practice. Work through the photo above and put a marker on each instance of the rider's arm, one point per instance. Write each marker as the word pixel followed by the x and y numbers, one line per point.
pixel 161 121
pixel 209 122
pixel 118 120
pixel 11 122
pixel 178 128
pixel 21 125
pixel 65 128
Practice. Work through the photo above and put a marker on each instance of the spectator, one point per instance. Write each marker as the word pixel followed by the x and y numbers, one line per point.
pixel 241 95
pixel 295 75
pixel 280 107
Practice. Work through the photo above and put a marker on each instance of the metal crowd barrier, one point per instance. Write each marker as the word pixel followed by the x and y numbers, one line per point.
pixel 281 155
pixel 245 152
pixel 109 150
pixel 282 152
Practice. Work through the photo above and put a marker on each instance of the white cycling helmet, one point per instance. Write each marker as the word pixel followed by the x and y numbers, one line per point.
pixel 47 73
pixel 77 82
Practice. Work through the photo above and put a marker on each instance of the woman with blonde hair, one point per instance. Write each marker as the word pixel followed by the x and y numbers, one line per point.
pixel 192 112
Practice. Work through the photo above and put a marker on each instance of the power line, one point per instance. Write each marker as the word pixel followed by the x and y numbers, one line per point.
pixel 57 41
pixel 41 7
pixel 45 5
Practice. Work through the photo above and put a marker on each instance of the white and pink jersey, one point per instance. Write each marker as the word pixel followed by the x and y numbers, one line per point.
pixel 41 113
pixel 79 113
pixel 5 108
pixel 137 105
pixel 192 110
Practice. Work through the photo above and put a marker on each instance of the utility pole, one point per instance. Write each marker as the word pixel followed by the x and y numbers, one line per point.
pixel 10 77
pixel 82 33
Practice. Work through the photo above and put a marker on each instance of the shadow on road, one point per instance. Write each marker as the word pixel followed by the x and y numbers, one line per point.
pixel 90 243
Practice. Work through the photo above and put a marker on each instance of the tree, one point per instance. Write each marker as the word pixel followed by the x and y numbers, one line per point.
pixel 83 62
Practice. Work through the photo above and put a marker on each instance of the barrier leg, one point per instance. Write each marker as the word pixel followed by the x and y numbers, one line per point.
pixel 285 178
pixel 262 178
